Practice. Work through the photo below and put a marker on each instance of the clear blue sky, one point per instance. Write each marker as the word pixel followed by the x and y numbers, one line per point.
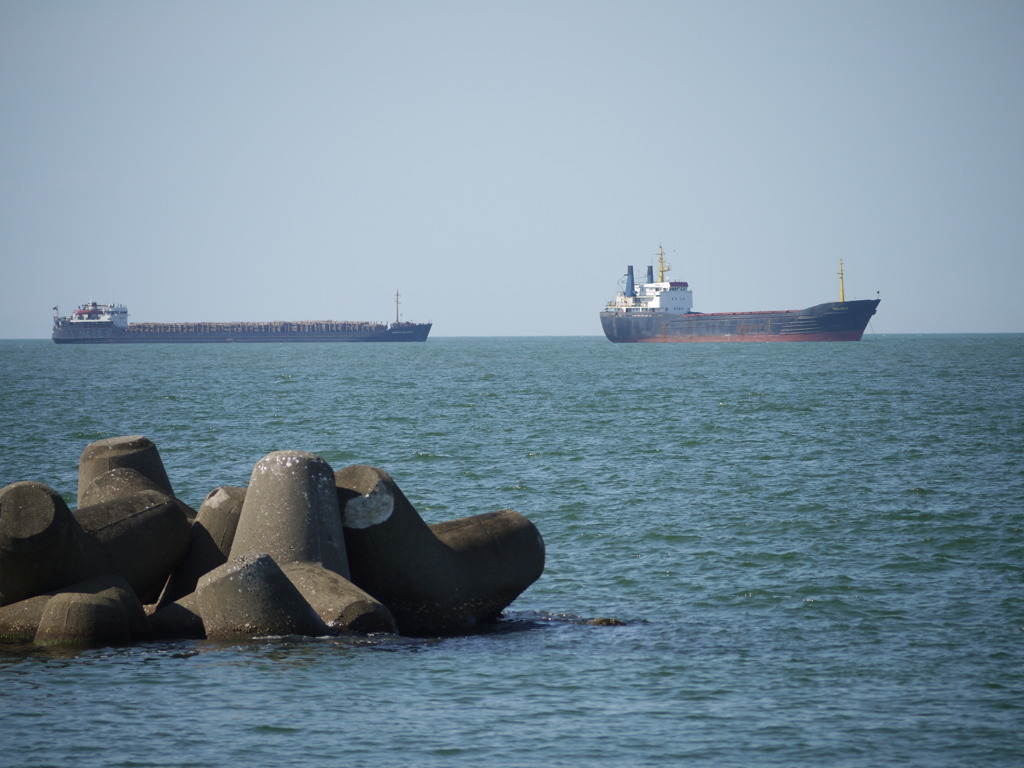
pixel 500 163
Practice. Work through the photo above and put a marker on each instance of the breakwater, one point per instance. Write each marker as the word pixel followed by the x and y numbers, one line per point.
pixel 301 550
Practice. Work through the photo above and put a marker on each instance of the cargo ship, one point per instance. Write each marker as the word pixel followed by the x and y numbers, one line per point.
pixel 95 323
pixel 662 311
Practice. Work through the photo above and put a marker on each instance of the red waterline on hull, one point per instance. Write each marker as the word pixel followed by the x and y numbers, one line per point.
pixel 835 336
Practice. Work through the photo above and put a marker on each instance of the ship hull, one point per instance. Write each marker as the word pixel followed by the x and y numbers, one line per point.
pixel 238 333
pixel 836 321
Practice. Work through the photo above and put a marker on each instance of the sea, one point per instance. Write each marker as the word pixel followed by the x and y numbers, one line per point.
pixel 796 554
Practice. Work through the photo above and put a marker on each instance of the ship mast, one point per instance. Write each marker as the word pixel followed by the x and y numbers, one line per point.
pixel 842 294
pixel 663 266
pixel 396 306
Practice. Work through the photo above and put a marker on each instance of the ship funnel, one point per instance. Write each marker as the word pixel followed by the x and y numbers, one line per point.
pixel 650 273
pixel 630 291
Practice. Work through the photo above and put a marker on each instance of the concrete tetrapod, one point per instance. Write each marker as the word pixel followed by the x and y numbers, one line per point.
pixel 145 536
pixel 432 585
pixel 124 481
pixel 178 620
pixel 269 559
pixel 500 554
pixel 210 541
pixel 250 596
pixel 42 545
pixel 83 619
pixel 22 620
pixel 100 611
pixel 342 605
pixel 131 451
pixel 19 621
pixel 114 483
pixel 291 512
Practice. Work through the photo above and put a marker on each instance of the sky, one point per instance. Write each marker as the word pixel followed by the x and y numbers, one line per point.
pixel 501 163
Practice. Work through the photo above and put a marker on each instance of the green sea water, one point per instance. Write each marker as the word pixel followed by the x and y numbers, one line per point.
pixel 815 551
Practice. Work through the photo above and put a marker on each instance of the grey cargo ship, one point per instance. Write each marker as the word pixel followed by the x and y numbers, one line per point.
pixel 95 323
